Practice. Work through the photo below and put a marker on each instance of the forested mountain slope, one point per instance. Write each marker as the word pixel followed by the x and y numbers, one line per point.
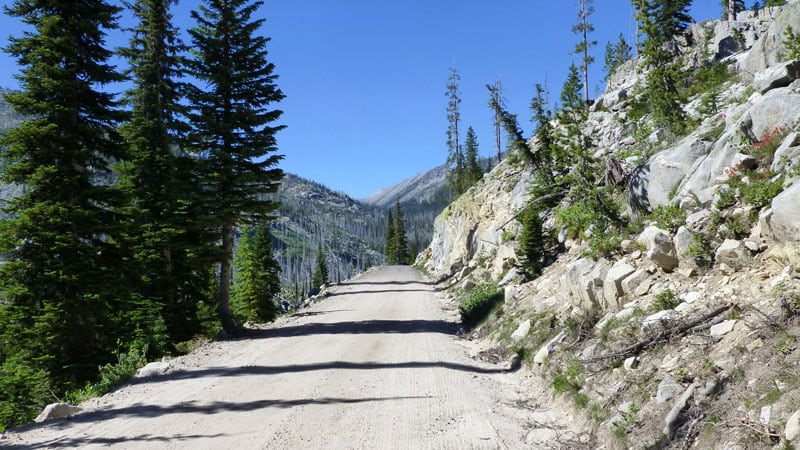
pixel 351 233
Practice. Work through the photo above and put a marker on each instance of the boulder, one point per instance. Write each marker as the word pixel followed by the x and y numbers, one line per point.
pixel 698 220
pixel 780 75
pixel 56 411
pixel 787 154
pixel 734 254
pixel 792 430
pixel 722 328
pixel 612 286
pixel 669 167
pixel 153 369
pixel 667 389
pixel 467 285
pixel 632 282
pixel 658 318
pixel 548 348
pixel 777 108
pixel 583 280
pixel 660 249
pixel 780 222
pixel 521 331
pixel 683 241
pixel 766 51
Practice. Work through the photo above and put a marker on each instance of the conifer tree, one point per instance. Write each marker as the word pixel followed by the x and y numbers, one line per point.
pixel 320 271
pixel 399 238
pixel 61 313
pixel 232 124
pixel 455 158
pixel 472 168
pixel 257 282
pixel 583 29
pixel 532 242
pixel 616 55
pixel 731 7
pixel 164 234
pixel 391 242
pixel 497 106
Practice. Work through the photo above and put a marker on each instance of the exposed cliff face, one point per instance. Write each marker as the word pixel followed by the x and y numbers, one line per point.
pixel 689 338
pixel 479 225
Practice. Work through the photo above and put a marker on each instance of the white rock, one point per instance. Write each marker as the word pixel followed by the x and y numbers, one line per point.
pixel 657 318
pixel 660 248
pixel 544 352
pixel 521 331
pixel 723 328
pixel 792 430
pixel 667 389
pixel 509 276
pixel 612 287
pixel 56 411
pixel 509 293
pixel 777 76
pixel 467 285
pixel 765 415
pixel 631 363
pixel 691 297
pixel 734 254
pixel 153 369
pixel 781 221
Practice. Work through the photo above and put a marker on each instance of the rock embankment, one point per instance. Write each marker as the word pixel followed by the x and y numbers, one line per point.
pixel 690 335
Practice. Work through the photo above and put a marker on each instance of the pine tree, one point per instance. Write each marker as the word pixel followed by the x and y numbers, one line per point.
pixel 731 7
pixel 320 271
pixel 532 242
pixel 167 275
pixel 399 238
pixel 391 243
pixel 61 312
pixel 583 29
pixel 472 168
pixel 231 119
pixel 455 159
pixel 497 106
pixel 616 55
pixel 662 21
pixel 256 283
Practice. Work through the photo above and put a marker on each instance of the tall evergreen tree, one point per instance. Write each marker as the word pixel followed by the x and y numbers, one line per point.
pixel 616 55
pixel 163 237
pixel 320 270
pixel 662 21
pixel 391 243
pixel 497 106
pixel 256 283
pixel 455 159
pixel 399 238
pixel 731 7
pixel 472 168
pixel 61 284
pixel 232 119
pixel 583 29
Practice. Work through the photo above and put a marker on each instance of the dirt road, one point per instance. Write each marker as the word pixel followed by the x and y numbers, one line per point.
pixel 375 366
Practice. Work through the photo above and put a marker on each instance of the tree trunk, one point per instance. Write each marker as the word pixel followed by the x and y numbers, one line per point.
pixel 497 135
pixel 225 278
pixel 731 10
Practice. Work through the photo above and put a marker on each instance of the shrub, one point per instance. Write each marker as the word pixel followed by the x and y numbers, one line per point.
pixel 113 375
pixel 666 299
pixel 761 190
pixel 481 301
pixel 791 41
pixel 23 391
pixel 764 149
pixel 669 217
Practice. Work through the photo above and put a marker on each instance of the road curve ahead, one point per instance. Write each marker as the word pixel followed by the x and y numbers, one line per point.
pixel 376 365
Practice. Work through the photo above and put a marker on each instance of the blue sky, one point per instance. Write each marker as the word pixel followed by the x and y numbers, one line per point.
pixel 365 79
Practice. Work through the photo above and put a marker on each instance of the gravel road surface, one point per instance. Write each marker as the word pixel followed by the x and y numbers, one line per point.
pixel 376 365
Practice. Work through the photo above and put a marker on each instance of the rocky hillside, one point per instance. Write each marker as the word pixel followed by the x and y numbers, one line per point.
pixel 689 336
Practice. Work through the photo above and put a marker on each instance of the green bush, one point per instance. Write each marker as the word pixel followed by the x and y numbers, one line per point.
pixel 669 217
pixel 481 301
pixel 666 299
pixel 23 391
pixel 761 190
pixel 113 375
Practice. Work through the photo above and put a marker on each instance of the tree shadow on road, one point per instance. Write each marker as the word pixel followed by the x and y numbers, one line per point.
pixel 332 365
pixel 154 441
pixel 359 327
pixel 191 407
pixel 379 291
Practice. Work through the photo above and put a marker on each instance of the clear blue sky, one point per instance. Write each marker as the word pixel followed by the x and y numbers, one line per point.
pixel 365 79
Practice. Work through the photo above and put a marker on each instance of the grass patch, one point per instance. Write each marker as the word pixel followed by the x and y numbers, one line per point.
pixel 482 300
